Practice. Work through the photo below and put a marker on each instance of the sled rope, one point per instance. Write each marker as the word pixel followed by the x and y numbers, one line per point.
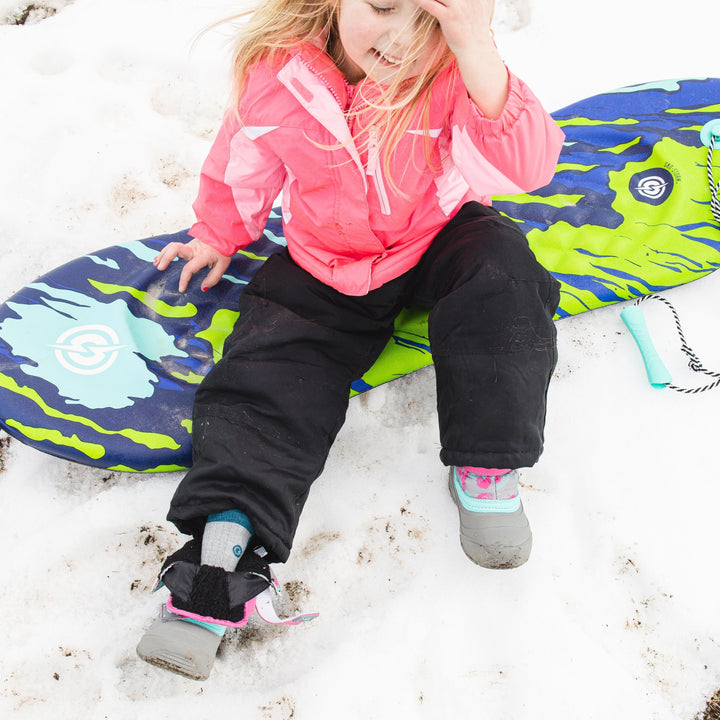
pixel 714 187
pixel 694 362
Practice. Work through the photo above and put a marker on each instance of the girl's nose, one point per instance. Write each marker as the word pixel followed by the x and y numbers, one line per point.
pixel 401 32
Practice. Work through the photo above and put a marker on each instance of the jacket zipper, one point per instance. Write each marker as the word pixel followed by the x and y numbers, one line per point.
pixel 374 166
pixel 374 169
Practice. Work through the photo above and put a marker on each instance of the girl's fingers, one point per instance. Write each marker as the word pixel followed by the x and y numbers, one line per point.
pixel 432 6
pixel 190 268
pixel 170 252
pixel 187 273
pixel 459 17
pixel 216 272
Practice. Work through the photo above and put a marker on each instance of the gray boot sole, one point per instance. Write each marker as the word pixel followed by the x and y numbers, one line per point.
pixel 180 647
pixel 493 540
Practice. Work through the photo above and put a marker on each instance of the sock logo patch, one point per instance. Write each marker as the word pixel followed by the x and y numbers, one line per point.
pixel 238 550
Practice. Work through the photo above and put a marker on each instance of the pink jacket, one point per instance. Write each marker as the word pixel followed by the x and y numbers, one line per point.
pixel 342 222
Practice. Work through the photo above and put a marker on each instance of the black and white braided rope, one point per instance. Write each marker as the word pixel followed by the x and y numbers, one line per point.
pixel 694 362
pixel 714 187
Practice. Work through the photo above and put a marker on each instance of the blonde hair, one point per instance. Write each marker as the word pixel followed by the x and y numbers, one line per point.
pixel 276 26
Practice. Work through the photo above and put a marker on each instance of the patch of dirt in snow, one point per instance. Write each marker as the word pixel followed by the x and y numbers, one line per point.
pixel 282 709
pixel 153 543
pixel 712 709
pixel 25 13
pixel 4 445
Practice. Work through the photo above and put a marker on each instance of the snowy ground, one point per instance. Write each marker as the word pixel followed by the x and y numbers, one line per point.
pixel 108 111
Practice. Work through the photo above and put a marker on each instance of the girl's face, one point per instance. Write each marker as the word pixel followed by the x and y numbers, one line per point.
pixel 376 36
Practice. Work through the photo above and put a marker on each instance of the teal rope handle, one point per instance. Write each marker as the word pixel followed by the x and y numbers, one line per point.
pixel 657 373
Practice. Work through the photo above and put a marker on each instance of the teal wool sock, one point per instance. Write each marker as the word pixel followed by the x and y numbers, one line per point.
pixel 225 538
pixel 224 541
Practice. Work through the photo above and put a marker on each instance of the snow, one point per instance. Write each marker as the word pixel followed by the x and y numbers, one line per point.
pixel 108 111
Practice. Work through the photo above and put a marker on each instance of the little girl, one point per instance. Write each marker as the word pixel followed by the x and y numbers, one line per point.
pixel 387 125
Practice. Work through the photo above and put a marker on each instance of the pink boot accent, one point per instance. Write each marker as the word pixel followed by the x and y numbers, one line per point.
pixel 485 471
pixel 261 603
pixel 488 483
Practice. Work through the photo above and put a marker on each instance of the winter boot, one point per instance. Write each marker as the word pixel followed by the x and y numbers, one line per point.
pixel 494 531
pixel 204 601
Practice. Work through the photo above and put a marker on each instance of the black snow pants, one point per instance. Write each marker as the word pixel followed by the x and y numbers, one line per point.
pixel 267 414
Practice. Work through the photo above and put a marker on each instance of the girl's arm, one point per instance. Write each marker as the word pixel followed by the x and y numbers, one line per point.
pixel 465 25
pixel 239 181
pixel 514 153
pixel 503 140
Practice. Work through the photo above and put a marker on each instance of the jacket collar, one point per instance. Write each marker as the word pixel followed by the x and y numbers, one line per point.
pixel 313 79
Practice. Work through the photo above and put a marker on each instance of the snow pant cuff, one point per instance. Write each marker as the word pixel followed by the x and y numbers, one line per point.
pixel 490 459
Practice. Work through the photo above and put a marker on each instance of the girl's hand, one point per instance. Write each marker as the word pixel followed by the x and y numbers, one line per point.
pixel 465 24
pixel 198 255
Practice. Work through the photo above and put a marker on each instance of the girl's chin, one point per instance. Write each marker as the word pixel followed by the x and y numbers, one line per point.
pixel 383 74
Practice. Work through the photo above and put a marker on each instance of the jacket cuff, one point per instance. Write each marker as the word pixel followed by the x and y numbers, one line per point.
pixel 202 231
pixel 516 103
